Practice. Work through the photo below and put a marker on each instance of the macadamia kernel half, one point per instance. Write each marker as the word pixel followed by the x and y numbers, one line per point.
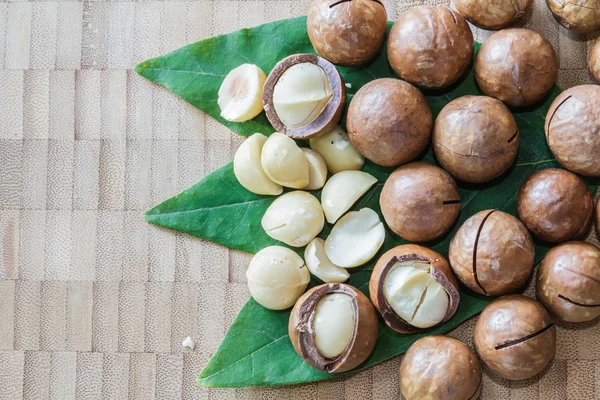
pixel 294 218
pixel 248 169
pixel 317 169
pixel 337 150
pixel 342 190
pixel 284 162
pixel 240 94
pixel 333 324
pixel 321 266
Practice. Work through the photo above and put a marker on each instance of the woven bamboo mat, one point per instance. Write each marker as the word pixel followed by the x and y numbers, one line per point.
pixel 94 302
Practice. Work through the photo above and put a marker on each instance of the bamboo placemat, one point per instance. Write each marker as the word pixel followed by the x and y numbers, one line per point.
pixel 94 302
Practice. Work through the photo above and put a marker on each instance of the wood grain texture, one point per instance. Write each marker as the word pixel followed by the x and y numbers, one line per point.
pixel 95 302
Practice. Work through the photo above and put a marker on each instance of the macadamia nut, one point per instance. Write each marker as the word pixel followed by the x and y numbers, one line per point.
pixel 337 150
pixel 494 15
pixel 321 266
pixel 240 94
pixel 342 190
pixel 317 169
pixel 248 169
pixel 333 324
pixel 284 162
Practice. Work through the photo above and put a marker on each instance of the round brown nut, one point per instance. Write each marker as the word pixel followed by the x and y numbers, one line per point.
pixel 413 288
pixel 516 66
pixel 493 15
pixel 440 368
pixel 333 327
pixel 419 202
pixel 492 253
pixel 577 15
pixel 594 61
pixel 430 46
pixel 475 138
pixel 347 32
pixel 572 126
pixel 515 337
pixel 568 281
pixel 555 205
pixel 389 122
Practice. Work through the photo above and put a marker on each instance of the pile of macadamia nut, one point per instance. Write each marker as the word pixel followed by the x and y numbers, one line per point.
pixel 475 140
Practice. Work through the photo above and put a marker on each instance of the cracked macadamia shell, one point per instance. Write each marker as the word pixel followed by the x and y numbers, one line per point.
pixel 347 32
pixel 440 368
pixel 420 202
pixel 572 126
pixel 302 331
pixel 515 337
pixel 568 281
pixel 475 138
pixel 577 15
pixel 492 14
pixel 389 122
pixel 419 258
pixel 492 253
pixel 430 46
pixel 555 205
pixel 594 60
pixel 516 66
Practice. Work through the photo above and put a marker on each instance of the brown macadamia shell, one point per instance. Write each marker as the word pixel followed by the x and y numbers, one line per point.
pixel 516 66
pixel 347 32
pixel 555 205
pixel 594 60
pixel 577 15
pixel 420 202
pixel 475 138
pixel 389 122
pixel 572 126
pixel 302 332
pixel 492 253
pixel 441 368
pixel 492 14
pixel 568 281
pixel 440 271
pixel 430 46
pixel 515 337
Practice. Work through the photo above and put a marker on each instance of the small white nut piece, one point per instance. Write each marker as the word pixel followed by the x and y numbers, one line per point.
pixel 277 277
pixel 321 266
pixel 240 94
pixel 284 162
pixel 355 238
pixel 342 190
pixel 337 150
pixel 301 94
pixel 333 324
pixel 317 169
pixel 414 295
pixel 188 344
pixel 294 218
pixel 248 169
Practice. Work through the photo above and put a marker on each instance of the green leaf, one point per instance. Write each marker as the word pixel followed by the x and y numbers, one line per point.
pixel 256 349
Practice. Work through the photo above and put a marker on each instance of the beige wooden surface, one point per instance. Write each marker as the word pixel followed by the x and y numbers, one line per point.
pixel 94 302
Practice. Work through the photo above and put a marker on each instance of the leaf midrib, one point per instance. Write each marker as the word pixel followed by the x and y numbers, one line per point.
pixel 207 208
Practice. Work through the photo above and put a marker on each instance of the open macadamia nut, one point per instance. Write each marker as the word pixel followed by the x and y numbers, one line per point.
pixel 413 288
pixel 337 151
pixel 284 162
pixel 594 60
pixel 440 368
pixel 248 169
pixel 333 327
pixel 572 126
pixel 294 218
pixel 475 138
pixel 321 266
pixel 516 66
pixel 304 96
pixel 568 281
pixel 515 337
pixel 419 202
pixel 577 15
pixel 430 46
pixel 342 190
pixel 492 14
pixel 555 205
pixel 492 253
pixel 317 169
pixel 277 277
pixel 346 32
pixel 389 122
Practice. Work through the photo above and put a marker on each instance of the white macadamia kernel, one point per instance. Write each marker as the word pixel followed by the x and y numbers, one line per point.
pixel 248 169
pixel 240 94
pixel 414 295
pixel 294 218
pixel 342 190
pixel 317 169
pixel 188 343
pixel 284 162
pixel 355 238
pixel 321 266
pixel 277 277
pixel 337 150
pixel 333 324
pixel 301 94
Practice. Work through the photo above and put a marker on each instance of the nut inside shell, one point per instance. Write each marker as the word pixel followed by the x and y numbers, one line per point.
pixel 321 118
